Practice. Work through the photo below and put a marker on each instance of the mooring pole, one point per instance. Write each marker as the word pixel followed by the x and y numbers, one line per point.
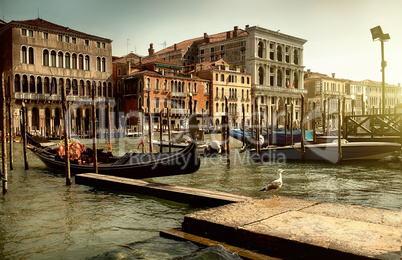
pixel 24 134
pixel 339 131
pixel 272 124
pixel 291 123
pixel 3 136
pixel 286 124
pixel 267 123
pixel 161 132
pixel 227 132
pixel 244 127
pixel 303 148
pixel 95 151
pixel 149 124
pixel 168 123
pixel 314 124
pixel 10 124
pixel 257 124
pixel 66 136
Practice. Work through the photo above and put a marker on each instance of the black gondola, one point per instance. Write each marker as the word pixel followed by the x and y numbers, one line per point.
pixel 130 165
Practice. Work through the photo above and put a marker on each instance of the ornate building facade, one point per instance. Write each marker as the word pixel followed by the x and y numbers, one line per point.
pixel 38 58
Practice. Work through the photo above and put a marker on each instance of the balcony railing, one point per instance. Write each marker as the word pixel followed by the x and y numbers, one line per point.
pixel 178 94
pixel 179 111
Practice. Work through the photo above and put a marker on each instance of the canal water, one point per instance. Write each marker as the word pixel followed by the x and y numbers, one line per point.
pixel 41 218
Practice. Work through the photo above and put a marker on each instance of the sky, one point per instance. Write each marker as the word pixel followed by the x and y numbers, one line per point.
pixel 337 32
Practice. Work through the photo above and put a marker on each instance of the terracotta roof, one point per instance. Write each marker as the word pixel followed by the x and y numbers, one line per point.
pixel 200 40
pixel 125 58
pixel 154 60
pixel 40 23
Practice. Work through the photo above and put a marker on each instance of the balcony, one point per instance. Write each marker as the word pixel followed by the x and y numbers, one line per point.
pixel 280 89
pixel 179 111
pixel 178 94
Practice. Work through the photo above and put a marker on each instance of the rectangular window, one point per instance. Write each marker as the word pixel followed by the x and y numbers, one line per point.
pixel 86 43
pixel 103 45
pixel 97 44
pixel 30 33
pixel 222 47
pixel 202 51
pixel 74 40
pixel 24 32
pixel 60 38
pixel 45 36
pixel 67 39
pixel 212 49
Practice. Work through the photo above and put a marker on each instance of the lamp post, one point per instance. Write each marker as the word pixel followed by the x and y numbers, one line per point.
pixel 377 34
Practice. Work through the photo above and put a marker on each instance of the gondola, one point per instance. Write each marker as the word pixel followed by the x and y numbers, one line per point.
pixel 130 165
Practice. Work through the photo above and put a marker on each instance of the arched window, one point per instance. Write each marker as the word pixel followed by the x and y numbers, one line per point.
pixel 98 64
pixel 32 84
pixel 31 55
pixel 24 54
pixel 24 84
pixel 39 85
pixel 195 88
pixel 110 89
pixel 45 58
pixel 279 53
pixel 99 89
pixel 17 83
pixel 88 88
pixel 295 83
pixel 260 49
pixel 260 76
pixel 75 88
pixel 216 77
pixel 103 65
pixel 86 65
pixel 80 62
pixel 46 86
pixel 148 84
pixel 67 60
pixel 296 57
pixel 53 58
pixel 60 59
pixel 222 77
pixel 104 92
pixel 279 78
pixel 74 61
pixel 68 87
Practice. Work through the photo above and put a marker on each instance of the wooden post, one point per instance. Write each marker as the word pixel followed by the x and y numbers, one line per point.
pixel 161 131
pixel 244 127
pixel 95 151
pixel 252 125
pixel 24 134
pixel 314 123
pixel 109 124
pixel 168 123
pixel 343 124
pixel 10 124
pixel 149 124
pixel 303 148
pixel 267 123
pixel 339 131
pixel 291 123
pixel 257 124
pixel 286 124
pixel 142 129
pixel 66 135
pixel 324 117
pixel 3 136
pixel 227 132
pixel 272 125
pixel 202 119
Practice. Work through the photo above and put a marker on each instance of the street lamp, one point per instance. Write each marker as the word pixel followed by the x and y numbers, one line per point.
pixel 377 34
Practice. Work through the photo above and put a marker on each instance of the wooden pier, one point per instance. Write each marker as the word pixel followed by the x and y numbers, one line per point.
pixel 273 227
pixel 165 191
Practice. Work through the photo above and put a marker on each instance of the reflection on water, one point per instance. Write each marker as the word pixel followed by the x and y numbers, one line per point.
pixel 41 218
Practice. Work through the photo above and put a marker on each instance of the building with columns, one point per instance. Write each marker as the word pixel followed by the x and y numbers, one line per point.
pixel 274 60
pixel 38 59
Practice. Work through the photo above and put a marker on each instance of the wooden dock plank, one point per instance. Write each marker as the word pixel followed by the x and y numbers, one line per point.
pixel 165 191
pixel 245 254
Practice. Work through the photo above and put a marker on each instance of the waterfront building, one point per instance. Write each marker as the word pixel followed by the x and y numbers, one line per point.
pixel 225 82
pixel 38 58
pixel 357 90
pixel 393 96
pixel 165 85
pixel 274 60
pixel 326 91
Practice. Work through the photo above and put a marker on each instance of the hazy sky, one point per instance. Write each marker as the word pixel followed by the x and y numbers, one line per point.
pixel 337 32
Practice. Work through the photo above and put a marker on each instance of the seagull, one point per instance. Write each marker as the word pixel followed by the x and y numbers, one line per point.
pixel 275 184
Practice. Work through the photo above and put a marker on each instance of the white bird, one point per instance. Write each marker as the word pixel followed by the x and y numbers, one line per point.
pixel 275 184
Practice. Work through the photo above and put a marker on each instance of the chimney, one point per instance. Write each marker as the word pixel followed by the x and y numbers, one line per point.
pixel 206 38
pixel 228 35
pixel 247 26
pixel 175 46
pixel 140 60
pixel 151 50
pixel 236 28
pixel 333 75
